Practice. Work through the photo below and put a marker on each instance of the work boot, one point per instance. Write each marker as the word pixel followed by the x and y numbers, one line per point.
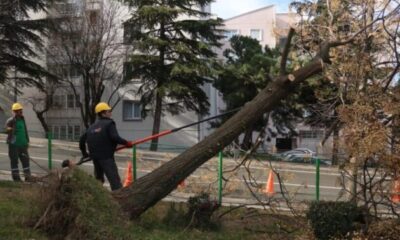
pixel 16 178
pixel 29 178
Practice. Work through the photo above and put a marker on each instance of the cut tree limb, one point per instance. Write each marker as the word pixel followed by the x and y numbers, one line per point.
pixel 148 190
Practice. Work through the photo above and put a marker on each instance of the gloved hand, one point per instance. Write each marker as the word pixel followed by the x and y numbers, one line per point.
pixel 129 144
pixel 65 163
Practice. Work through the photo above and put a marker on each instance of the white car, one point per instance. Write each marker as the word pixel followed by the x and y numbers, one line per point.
pixel 298 152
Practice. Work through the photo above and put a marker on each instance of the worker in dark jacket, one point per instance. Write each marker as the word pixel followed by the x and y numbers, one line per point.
pixel 18 141
pixel 102 139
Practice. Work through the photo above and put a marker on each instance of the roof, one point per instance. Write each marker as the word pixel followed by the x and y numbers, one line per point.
pixel 253 11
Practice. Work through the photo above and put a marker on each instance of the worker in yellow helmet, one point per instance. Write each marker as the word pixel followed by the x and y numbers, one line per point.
pixel 18 141
pixel 102 139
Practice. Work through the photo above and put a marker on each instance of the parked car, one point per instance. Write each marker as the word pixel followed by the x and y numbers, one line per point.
pixel 311 160
pixel 300 152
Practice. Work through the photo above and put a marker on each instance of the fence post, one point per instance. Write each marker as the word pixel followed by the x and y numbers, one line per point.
pixel 317 179
pixel 49 150
pixel 220 177
pixel 134 162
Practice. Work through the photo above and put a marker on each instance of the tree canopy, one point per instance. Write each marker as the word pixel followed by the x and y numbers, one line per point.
pixel 172 54
pixel 21 42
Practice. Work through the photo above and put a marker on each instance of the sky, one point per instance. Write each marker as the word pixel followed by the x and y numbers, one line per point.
pixel 229 8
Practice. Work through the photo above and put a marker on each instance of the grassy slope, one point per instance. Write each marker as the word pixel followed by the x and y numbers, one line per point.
pixel 15 211
pixel 18 213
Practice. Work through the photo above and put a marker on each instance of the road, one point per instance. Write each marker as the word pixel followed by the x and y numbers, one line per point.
pixel 299 180
pixel 241 187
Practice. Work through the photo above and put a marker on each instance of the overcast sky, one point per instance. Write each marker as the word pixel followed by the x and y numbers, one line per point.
pixel 230 8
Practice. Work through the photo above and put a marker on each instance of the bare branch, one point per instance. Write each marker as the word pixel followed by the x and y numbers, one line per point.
pixel 286 51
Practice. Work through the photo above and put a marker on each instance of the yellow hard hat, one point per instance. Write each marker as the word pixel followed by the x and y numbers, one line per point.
pixel 102 107
pixel 16 107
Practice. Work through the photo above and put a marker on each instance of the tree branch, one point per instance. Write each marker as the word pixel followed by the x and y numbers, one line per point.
pixel 286 51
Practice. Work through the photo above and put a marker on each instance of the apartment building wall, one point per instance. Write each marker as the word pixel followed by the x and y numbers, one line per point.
pixel 258 24
pixel 64 117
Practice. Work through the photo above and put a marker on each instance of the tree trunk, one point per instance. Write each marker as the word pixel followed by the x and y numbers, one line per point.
pixel 247 139
pixel 335 149
pixel 43 122
pixel 156 123
pixel 352 182
pixel 150 189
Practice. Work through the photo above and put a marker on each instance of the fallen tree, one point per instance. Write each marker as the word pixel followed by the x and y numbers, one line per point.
pixel 150 189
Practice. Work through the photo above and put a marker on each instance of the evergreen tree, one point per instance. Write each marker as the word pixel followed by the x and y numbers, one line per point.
pixel 172 54
pixel 21 42
pixel 247 70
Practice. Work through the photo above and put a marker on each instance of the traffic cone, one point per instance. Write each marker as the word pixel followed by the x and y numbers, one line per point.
pixel 396 191
pixel 269 187
pixel 128 175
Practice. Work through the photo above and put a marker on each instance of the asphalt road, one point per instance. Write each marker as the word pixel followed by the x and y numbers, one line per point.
pixel 298 181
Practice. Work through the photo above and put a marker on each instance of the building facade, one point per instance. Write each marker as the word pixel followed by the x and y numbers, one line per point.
pixel 64 118
pixel 271 29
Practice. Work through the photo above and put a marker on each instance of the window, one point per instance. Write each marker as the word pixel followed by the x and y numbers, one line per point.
pixel 63 132
pixel 67 132
pixel 56 133
pixel 311 134
pixel 73 101
pixel 65 8
pixel 70 132
pixel 130 31
pixel 256 34
pixel 70 100
pixel 282 42
pixel 59 101
pixel 77 101
pixel 69 71
pixel 131 110
pixel 128 71
pixel 93 16
pixel 77 132
pixel 230 33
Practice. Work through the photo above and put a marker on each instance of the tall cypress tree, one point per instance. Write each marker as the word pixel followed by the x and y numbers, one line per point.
pixel 21 42
pixel 173 55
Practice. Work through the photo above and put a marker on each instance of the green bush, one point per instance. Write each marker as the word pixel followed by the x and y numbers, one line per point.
pixel 333 219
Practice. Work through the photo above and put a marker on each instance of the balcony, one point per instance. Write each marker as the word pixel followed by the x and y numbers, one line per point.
pixel 94 5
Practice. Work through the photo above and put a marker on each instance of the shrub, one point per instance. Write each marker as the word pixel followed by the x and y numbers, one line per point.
pixel 387 229
pixel 201 208
pixel 80 207
pixel 333 219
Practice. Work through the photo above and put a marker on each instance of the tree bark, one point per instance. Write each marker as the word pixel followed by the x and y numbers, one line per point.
pixel 156 122
pixel 43 122
pixel 247 139
pixel 150 189
pixel 335 149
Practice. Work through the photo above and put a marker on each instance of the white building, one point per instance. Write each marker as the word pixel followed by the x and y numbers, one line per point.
pixel 271 29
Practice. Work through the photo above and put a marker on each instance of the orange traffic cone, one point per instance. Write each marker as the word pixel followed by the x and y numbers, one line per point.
pixel 269 187
pixel 396 191
pixel 128 175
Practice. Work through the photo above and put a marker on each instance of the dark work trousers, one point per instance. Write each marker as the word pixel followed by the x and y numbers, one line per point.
pixel 21 153
pixel 109 168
